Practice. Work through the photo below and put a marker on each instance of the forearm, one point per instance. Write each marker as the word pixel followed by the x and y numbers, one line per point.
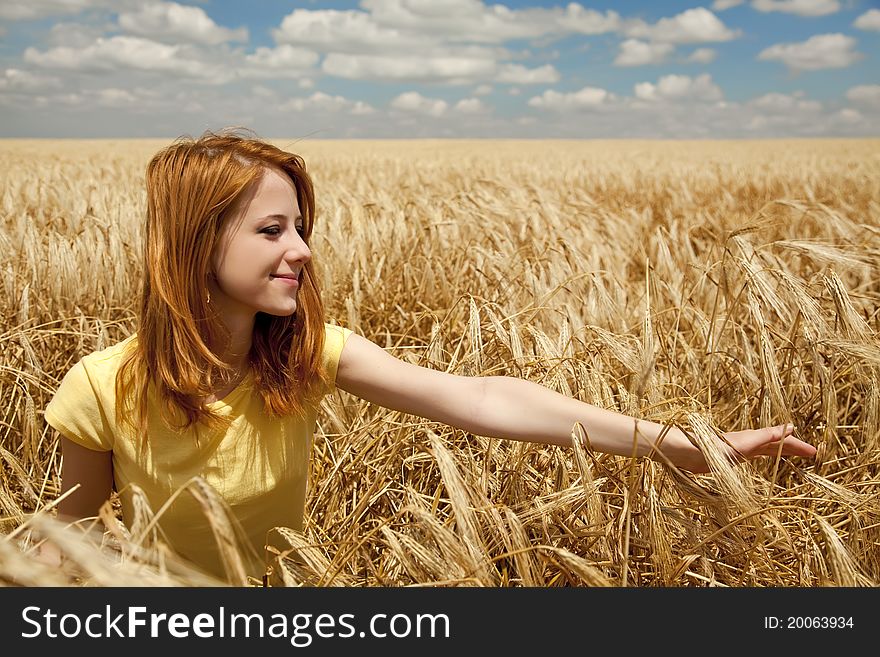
pixel 83 511
pixel 77 507
pixel 522 410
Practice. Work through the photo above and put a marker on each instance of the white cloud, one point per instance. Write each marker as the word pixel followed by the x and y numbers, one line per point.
pixel 26 82
pixel 818 52
pixel 870 20
pixel 435 41
pixel 317 100
pixel 702 56
pixel 679 87
pixel 680 117
pixel 516 74
pixel 361 108
pixel 120 52
pixel 470 106
pixel 432 29
pixel 345 31
pixel 174 22
pixel 75 35
pixel 585 99
pixel 645 91
pixel 865 94
pixel 306 83
pixel 638 53
pixel 482 90
pixel 471 20
pixel 285 61
pixel 417 41
pixel 213 66
pixel 325 103
pixel 848 115
pixel 721 5
pixel 112 97
pixel 450 18
pixel 776 103
pixel 799 7
pixel 259 91
pixel 136 100
pixel 468 20
pixel 578 20
pixel 698 25
pixel 37 9
pixel 776 114
pixel 413 101
pixel 456 70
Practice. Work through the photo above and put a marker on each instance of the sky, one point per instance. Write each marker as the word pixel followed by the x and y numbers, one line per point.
pixel 722 69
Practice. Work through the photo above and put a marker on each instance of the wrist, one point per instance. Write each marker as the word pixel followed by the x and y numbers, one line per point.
pixel 681 452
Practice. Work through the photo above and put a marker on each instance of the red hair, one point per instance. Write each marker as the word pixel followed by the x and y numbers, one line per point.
pixel 193 187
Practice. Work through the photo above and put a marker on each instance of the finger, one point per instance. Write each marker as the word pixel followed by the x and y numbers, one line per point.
pixel 782 431
pixel 779 439
pixel 796 447
pixel 757 441
pixel 791 446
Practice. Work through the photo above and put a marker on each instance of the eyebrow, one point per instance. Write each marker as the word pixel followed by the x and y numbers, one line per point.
pixel 278 216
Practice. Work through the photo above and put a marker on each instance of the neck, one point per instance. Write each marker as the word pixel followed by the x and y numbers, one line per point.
pixel 235 352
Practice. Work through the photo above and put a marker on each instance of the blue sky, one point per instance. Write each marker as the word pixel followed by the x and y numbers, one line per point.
pixel 441 68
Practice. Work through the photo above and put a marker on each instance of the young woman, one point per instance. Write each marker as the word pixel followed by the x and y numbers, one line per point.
pixel 232 355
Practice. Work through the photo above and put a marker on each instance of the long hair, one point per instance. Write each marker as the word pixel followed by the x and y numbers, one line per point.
pixel 193 187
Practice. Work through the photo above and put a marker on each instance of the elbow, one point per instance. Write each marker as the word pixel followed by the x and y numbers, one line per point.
pixel 469 410
pixel 482 406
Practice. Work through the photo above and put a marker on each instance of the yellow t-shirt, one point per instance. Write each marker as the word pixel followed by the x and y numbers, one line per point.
pixel 259 465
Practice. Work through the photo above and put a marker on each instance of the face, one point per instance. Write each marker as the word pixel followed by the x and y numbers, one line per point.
pixel 260 256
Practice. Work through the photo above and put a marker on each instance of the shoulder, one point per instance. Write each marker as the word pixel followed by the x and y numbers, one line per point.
pixel 94 375
pixel 336 330
pixel 335 338
pixel 100 367
pixel 81 408
pixel 110 357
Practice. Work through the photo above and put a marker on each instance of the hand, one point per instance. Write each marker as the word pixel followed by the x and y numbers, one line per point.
pixel 751 443
pixel 49 554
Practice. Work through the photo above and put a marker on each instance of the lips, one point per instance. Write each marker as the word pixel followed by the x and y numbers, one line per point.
pixel 287 279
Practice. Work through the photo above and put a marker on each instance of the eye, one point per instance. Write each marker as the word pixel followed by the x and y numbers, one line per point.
pixel 300 229
pixel 271 230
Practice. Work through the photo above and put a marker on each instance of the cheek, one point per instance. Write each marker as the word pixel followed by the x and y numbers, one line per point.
pixel 244 266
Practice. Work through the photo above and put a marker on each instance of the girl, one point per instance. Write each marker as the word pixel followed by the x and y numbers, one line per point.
pixel 232 355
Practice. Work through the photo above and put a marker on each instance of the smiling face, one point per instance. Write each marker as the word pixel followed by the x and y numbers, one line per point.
pixel 259 258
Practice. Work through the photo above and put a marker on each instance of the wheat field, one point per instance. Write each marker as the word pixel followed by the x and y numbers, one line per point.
pixel 716 285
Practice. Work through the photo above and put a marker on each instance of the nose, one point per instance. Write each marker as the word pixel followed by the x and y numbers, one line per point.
pixel 297 250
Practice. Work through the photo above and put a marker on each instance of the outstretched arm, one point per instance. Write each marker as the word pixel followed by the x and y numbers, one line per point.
pixel 506 407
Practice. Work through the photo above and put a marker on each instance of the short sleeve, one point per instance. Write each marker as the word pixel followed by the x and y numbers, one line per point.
pixel 334 341
pixel 77 412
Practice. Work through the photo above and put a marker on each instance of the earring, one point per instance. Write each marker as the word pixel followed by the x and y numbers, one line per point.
pixel 208 278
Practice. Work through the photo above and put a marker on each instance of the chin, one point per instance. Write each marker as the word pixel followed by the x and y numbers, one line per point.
pixel 280 312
